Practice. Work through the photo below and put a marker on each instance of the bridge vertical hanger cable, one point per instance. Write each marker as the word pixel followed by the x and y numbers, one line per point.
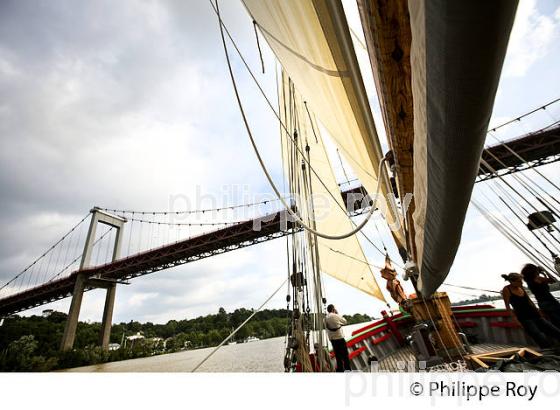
pixel 167 232
pixel 108 257
pixel 57 259
pixel 79 238
pixel 130 235
pixel 65 261
pixel 95 249
pixel 45 253
pixel 78 257
pixel 47 270
pixel 150 232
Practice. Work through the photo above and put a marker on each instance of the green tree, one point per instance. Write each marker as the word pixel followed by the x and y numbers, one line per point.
pixel 19 354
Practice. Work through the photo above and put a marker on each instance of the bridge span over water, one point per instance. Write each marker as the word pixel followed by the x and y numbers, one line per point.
pixel 531 150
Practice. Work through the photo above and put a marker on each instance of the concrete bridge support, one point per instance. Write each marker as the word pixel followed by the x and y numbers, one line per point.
pixel 105 333
pixel 84 282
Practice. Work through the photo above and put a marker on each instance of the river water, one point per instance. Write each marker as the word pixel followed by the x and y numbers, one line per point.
pixel 260 356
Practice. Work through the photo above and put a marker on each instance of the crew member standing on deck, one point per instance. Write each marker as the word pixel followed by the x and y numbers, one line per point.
pixel 544 333
pixel 538 280
pixel 334 323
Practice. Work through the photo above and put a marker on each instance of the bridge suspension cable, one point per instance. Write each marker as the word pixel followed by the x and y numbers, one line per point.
pixel 196 211
pixel 153 222
pixel 77 258
pixel 542 107
pixel 47 252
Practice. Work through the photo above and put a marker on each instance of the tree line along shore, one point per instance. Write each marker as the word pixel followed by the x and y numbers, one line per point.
pixel 32 343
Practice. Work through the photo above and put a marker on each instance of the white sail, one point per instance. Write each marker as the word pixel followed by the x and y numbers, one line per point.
pixel 312 42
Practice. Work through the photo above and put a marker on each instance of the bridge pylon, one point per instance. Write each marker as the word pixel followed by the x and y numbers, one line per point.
pixel 83 281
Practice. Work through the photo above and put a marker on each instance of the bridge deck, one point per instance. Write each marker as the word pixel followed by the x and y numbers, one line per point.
pixel 192 249
pixel 537 148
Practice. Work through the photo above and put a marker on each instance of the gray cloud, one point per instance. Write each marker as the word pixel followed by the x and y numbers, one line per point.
pixel 122 104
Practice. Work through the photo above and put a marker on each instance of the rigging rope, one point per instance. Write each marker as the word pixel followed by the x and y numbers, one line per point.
pixel 524 160
pixel 282 125
pixel 258 44
pixel 523 183
pixel 553 254
pixel 296 217
pixel 471 288
pixel 513 229
pixel 269 103
pixel 238 328
pixel 518 119
pixel 525 211
pixel 508 235
pixel 483 162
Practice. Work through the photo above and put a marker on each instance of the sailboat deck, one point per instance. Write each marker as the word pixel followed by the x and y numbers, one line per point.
pixel 403 360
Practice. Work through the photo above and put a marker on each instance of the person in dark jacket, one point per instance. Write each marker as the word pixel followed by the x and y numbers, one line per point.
pixel 544 333
pixel 538 281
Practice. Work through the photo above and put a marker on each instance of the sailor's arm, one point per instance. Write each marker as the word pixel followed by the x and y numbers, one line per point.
pixel 341 320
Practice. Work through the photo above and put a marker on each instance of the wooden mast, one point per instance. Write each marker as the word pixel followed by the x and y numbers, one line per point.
pixel 387 31
pixel 386 25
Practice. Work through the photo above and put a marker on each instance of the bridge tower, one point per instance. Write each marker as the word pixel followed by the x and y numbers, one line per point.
pixel 83 281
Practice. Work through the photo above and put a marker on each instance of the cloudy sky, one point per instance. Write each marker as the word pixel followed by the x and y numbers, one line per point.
pixel 126 104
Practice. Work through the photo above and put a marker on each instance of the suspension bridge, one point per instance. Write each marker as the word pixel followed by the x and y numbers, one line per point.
pixel 102 255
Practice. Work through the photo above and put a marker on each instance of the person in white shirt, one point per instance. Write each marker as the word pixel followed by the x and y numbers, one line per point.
pixel 334 323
